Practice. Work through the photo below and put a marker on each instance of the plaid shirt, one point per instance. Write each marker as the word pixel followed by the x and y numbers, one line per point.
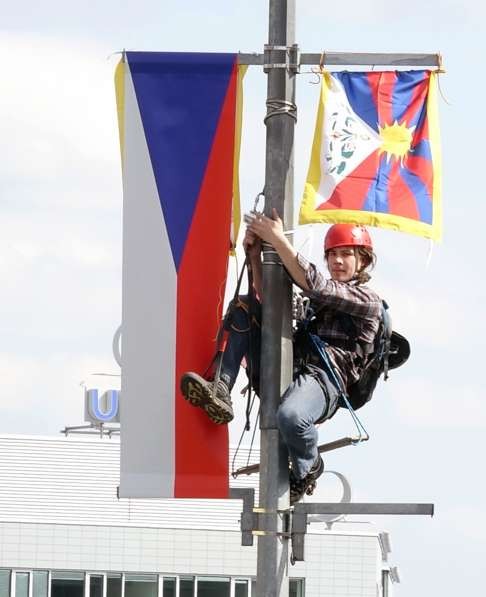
pixel 328 299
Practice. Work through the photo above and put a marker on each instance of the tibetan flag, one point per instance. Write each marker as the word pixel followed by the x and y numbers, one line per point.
pixel 178 125
pixel 376 156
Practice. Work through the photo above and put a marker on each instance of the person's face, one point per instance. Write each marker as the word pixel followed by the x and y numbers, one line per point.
pixel 343 263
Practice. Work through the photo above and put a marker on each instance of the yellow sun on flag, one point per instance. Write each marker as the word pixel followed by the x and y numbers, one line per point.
pixel 396 139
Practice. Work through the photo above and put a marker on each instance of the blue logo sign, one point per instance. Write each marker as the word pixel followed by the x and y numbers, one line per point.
pixel 104 408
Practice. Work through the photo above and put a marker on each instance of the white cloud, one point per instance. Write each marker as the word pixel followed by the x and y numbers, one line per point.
pixel 59 131
pixel 381 12
pixel 448 403
pixel 468 521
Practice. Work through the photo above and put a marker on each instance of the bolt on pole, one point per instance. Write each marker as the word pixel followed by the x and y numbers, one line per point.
pixel 276 358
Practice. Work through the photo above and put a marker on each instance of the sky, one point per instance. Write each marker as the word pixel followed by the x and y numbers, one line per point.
pixel 60 242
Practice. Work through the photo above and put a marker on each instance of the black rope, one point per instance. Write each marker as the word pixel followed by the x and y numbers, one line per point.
pixel 250 401
pixel 251 295
pixel 218 355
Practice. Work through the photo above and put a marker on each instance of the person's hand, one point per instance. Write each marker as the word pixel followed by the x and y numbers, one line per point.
pixel 267 229
pixel 252 244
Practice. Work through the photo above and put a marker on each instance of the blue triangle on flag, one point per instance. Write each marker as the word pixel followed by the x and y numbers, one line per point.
pixel 180 97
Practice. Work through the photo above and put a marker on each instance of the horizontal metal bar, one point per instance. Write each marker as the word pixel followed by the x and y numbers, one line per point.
pixel 339 443
pixel 250 59
pixel 366 508
pixel 354 59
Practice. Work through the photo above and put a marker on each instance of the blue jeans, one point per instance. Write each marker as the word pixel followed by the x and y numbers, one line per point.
pixel 311 397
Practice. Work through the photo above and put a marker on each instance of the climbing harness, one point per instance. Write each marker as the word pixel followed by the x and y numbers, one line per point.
pixel 388 351
pixel 319 347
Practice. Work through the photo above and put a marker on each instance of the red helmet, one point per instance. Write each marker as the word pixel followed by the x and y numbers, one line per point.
pixel 347 235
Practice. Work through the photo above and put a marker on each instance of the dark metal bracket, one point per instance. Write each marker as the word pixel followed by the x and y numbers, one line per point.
pixel 294 522
pixel 247 494
pixel 301 511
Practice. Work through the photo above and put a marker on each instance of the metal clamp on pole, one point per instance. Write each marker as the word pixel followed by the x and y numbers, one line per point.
pixel 261 522
pixel 292 58
pixel 247 494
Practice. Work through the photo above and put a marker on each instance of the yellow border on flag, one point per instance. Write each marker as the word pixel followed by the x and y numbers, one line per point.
pixel 434 136
pixel 120 103
pixel 372 218
pixel 307 213
pixel 236 210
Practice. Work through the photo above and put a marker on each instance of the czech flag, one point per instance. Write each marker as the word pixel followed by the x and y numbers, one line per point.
pixel 376 155
pixel 179 117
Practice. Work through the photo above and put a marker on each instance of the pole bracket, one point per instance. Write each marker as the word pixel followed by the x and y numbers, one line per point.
pixel 247 494
pixel 264 522
pixel 292 58
pixel 301 512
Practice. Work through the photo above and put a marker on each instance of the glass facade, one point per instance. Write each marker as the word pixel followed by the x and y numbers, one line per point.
pixel 21 584
pixel 95 586
pixel 113 585
pixel 4 583
pixel 141 585
pixel 169 587
pixel 40 580
pixel 241 587
pixel 186 586
pixel 67 584
pixel 79 584
pixel 213 586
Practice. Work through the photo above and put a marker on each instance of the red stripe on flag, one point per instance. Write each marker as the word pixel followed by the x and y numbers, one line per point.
pixel 201 445
pixel 422 168
pixel 352 191
pixel 381 85
pixel 421 132
pixel 416 100
pixel 401 201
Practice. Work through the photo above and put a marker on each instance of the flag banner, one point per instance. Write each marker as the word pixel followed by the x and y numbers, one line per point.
pixel 376 155
pixel 178 121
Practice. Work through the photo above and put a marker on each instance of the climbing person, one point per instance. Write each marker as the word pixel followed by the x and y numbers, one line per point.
pixel 341 304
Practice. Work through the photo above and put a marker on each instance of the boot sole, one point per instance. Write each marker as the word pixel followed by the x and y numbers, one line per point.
pixel 311 484
pixel 197 395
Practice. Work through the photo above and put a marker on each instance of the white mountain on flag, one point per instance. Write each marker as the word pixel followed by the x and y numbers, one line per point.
pixel 346 140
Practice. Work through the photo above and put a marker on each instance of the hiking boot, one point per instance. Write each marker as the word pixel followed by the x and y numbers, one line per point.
pixel 305 486
pixel 200 392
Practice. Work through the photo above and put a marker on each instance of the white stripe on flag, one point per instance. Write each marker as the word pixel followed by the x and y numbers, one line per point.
pixel 147 407
pixel 347 140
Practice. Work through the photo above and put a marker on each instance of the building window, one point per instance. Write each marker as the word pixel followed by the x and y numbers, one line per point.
pixel 241 587
pixel 296 587
pixel 67 584
pixel 169 587
pixel 213 586
pixel 141 585
pixel 113 585
pixel 186 586
pixel 4 583
pixel 40 579
pixel 21 584
pixel 95 585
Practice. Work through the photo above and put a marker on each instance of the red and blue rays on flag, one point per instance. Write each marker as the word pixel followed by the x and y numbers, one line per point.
pixel 178 141
pixel 376 157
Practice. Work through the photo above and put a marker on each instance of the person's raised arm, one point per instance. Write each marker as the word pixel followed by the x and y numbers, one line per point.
pixel 271 231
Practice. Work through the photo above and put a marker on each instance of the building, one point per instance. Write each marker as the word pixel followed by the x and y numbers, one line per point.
pixel 65 533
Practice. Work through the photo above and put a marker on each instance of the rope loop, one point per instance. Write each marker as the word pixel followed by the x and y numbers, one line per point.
pixel 277 106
